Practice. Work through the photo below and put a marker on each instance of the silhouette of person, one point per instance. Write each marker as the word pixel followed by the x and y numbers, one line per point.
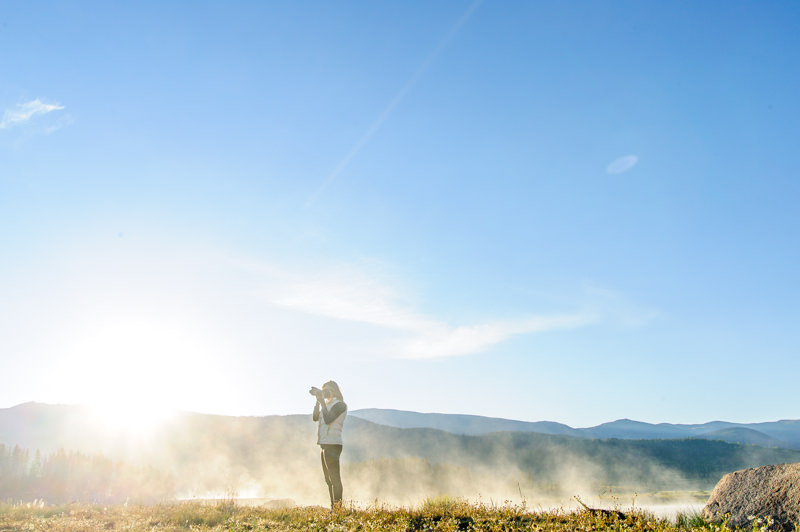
pixel 330 412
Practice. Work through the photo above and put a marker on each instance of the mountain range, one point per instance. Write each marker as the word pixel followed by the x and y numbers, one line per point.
pixel 277 457
pixel 784 433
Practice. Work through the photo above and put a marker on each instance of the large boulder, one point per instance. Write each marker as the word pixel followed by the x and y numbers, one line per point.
pixel 771 491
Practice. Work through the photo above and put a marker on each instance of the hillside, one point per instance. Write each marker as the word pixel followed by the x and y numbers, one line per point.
pixel 744 435
pixel 784 434
pixel 276 456
pixel 460 423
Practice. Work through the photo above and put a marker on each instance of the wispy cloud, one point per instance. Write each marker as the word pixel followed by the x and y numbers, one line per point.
pixel 24 112
pixel 358 297
pixel 616 308
pixel 622 164
pixel 364 294
pixel 348 295
pixel 442 340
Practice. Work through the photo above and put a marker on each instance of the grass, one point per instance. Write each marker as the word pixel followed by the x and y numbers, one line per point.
pixel 689 521
pixel 439 514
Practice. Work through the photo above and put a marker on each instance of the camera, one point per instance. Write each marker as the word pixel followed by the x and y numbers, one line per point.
pixel 315 391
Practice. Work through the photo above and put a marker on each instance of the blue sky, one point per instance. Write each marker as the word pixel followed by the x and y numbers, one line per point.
pixel 568 211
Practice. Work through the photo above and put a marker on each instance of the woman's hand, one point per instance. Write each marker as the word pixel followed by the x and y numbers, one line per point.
pixel 316 392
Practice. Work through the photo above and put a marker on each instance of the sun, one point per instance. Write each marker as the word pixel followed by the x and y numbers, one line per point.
pixel 135 373
pixel 131 418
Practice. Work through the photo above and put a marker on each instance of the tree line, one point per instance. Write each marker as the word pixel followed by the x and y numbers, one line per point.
pixel 68 476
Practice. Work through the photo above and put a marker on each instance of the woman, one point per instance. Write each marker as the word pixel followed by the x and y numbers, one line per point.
pixel 330 412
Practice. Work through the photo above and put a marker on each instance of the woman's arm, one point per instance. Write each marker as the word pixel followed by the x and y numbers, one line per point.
pixel 315 415
pixel 335 411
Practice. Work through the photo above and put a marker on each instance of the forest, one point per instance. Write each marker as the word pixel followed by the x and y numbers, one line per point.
pixel 69 476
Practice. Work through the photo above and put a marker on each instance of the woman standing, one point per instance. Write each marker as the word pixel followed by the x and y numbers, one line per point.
pixel 330 412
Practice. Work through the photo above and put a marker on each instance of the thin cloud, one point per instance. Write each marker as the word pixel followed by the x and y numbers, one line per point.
pixel 24 112
pixel 364 295
pixel 616 308
pixel 622 164
pixel 358 298
pixel 349 298
pixel 447 341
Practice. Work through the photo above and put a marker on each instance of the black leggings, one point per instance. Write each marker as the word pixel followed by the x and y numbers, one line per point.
pixel 330 467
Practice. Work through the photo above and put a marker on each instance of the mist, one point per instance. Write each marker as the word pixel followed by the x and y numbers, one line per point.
pixel 275 460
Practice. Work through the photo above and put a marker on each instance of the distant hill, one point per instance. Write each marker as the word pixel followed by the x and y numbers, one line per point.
pixel 461 423
pixel 743 435
pixel 277 457
pixel 784 434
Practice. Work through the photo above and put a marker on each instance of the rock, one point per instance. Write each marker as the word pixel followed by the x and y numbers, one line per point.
pixel 771 491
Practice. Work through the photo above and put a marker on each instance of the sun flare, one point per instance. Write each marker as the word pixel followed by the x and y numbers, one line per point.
pixel 136 372
pixel 130 417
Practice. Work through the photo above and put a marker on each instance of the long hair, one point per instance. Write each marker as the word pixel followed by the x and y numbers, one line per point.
pixel 334 388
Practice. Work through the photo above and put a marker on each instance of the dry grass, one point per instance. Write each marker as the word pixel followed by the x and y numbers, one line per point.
pixel 435 514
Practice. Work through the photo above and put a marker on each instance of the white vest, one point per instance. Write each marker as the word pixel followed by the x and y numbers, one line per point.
pixel 331 434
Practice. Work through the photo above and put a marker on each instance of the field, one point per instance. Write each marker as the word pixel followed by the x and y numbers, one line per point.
pixel 438 514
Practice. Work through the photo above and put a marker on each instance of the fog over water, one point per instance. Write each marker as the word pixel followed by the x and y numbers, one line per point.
pixel 398 467
pixel 275 460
